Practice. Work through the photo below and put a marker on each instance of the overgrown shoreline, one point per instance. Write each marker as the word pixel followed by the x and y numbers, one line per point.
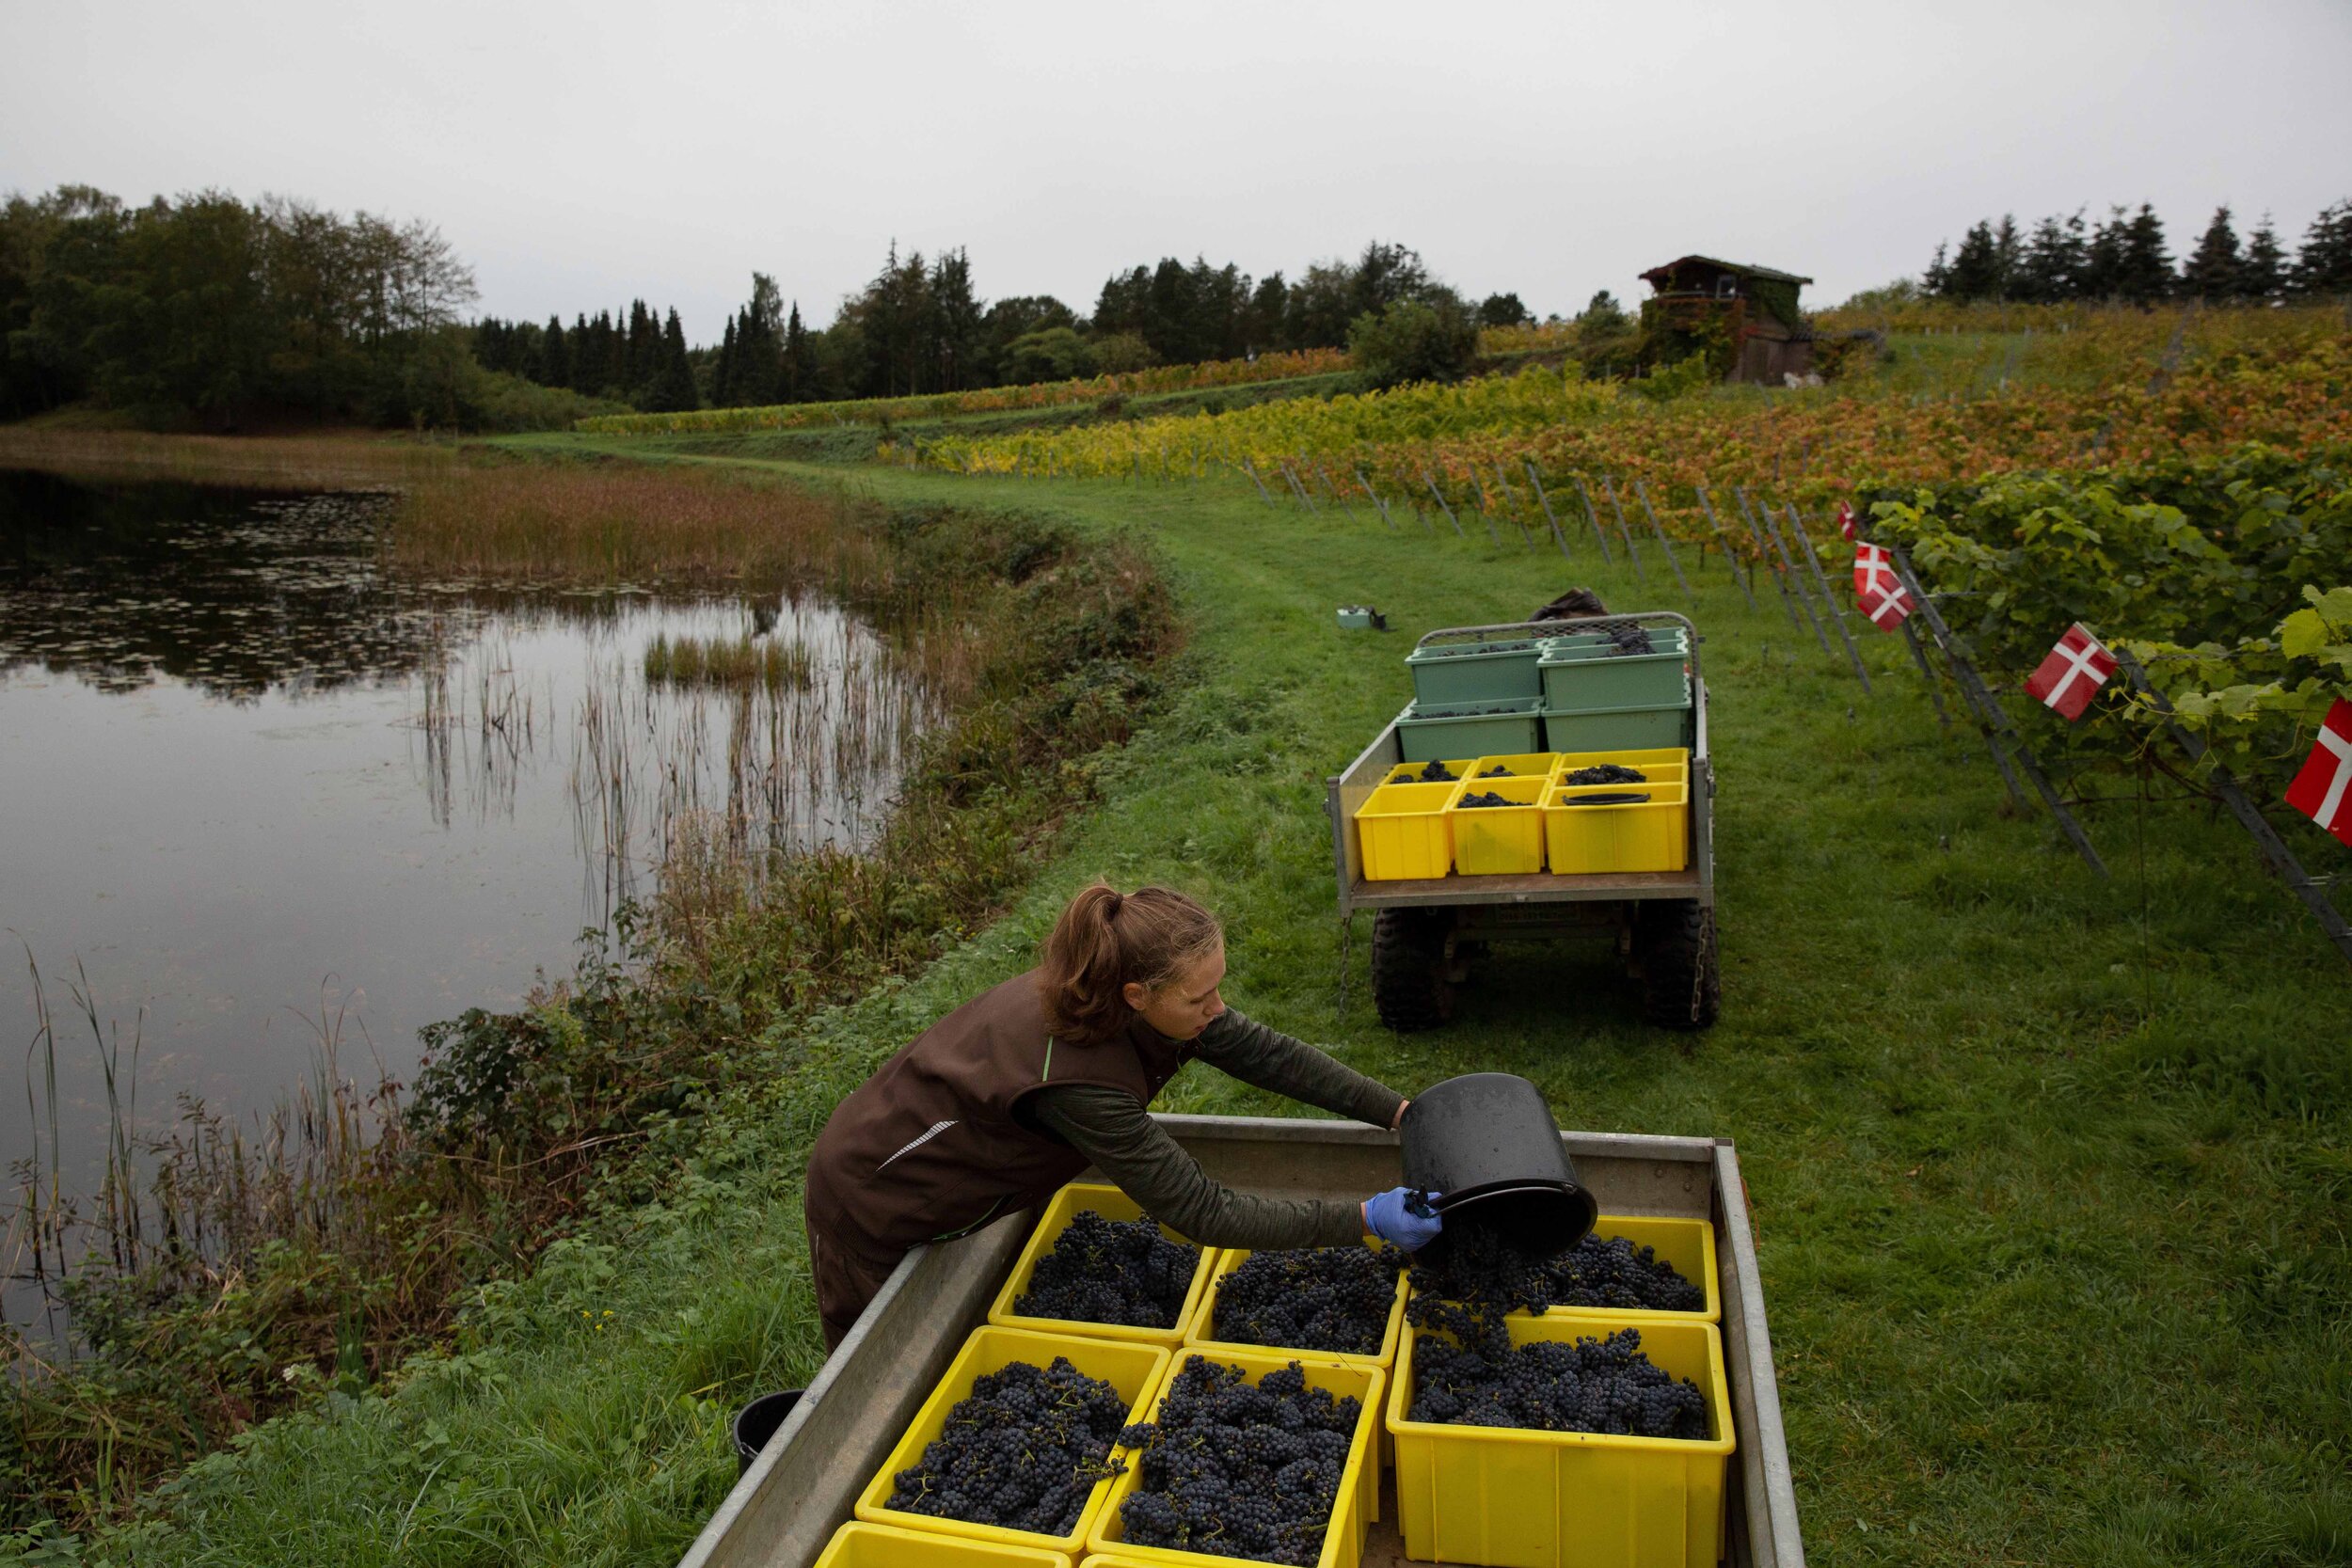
pixel 523 1127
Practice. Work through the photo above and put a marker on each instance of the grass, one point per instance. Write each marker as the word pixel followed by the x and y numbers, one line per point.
pixel 2049 1172
pixel 335 460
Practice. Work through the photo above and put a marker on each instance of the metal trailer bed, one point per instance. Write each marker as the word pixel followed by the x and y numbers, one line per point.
pixel 1422 925
pixel 800 1490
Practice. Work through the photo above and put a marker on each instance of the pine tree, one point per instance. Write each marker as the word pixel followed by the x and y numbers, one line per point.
pixel 722 378
pixel 2324 264
pixel 2103 258
pixel 2262 273
pixel 1937 279
pixel 954 321
pixel 2147 263
pixel 673 388
pixel 2211 273
pixel 798 373
pixel 2050 267
pixel 1977 271
pixel 555 356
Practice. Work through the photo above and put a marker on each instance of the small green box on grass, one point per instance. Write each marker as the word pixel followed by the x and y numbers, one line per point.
pixel 1471 730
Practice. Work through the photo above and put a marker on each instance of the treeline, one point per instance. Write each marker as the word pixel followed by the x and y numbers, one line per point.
pixel 211 311
pixel 2126 257
pixel 919 327
pixel 637 360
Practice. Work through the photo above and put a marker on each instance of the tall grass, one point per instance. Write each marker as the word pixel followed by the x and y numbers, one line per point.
pixel 262 462
pixel 744 661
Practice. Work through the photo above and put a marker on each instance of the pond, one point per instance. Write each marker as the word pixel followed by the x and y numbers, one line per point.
pixel 263 799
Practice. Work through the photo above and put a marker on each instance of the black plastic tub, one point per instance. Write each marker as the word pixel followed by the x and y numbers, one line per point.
pixel 1487 1143
pixel 758 1421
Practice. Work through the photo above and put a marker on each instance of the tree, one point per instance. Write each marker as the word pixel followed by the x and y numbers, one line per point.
pixel 1050 354
pixel 1979 269
pixel 2263 272
pixel 1414 339
pixel 1603 317
pixel 555 355
pixel 2050 266
pixel 2210 271
pixel 2102 257
pixel 2324 265
pixel 1266 323
pixel 2145 274
pixel 1385 275
pixel 798 371
pixel 673 389
pixel 1504 310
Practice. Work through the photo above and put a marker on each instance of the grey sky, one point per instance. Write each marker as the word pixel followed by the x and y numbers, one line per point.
pixel 579 156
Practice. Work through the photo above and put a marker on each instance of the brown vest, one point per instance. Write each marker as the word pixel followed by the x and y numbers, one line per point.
pixel 936 1143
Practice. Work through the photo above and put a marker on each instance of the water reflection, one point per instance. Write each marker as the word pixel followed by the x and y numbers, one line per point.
pixel 253 783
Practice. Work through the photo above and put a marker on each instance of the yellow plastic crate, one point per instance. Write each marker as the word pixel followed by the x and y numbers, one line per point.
pixel 1507 1499
pixel 1523 765
pixel 1498 840
pixel 1404 832
pixel 1200 1330
pixel 1353 1507
pixel 1648 835
pixel 1112 1204
pixel 858 1544
pixel 1134 1370
pixel 1569 762
pixel 1409 772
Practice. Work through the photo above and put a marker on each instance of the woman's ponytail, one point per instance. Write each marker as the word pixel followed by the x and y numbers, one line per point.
pixel 1103 943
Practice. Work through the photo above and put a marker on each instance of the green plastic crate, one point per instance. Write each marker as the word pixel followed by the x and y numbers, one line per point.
pixel 1624 729
pixel 1428 733
pixel 1579 674
pixel 1453 673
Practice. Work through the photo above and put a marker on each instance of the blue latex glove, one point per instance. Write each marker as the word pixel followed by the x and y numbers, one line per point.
pixel 1391 1216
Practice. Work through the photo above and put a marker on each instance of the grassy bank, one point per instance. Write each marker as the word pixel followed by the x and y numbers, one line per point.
pixel 2050 1174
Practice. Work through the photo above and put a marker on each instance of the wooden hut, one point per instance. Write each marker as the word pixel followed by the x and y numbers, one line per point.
pixel 1753 310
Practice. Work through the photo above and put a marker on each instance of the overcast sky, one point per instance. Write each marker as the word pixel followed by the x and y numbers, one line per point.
pixel 584 154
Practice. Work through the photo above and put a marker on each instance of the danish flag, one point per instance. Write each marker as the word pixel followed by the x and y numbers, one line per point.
pixel 2067 680
pixel 1877 590
pixel 1845 521
pixel 2323 791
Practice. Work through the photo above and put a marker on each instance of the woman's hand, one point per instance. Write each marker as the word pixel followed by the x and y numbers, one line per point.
pixel 1398 1215
pixel 1398 1121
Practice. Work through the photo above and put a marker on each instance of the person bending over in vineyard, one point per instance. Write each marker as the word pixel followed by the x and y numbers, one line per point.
pixel 1013 1094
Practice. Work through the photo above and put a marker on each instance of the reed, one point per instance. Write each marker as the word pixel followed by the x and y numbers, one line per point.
pixel 745 660
pixel 262 462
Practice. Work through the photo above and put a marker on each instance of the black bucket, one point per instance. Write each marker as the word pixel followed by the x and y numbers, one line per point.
pixel 757 1421
pixel 1486 1142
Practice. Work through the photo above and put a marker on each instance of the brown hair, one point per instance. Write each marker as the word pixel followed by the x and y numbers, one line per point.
pixel 1104 942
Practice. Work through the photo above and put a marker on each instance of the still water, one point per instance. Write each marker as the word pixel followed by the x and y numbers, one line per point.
pixel 257 792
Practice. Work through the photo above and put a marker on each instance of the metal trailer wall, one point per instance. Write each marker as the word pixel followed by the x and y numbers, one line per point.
pixel 800 1490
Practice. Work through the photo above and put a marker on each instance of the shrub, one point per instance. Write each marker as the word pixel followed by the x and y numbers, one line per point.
pixel 1413 341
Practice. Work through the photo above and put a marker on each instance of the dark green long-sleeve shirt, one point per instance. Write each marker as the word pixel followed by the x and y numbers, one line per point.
pixel 1132 1151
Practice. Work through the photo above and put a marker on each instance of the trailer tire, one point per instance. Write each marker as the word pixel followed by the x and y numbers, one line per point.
pixel 1682 982
pixel 1410 986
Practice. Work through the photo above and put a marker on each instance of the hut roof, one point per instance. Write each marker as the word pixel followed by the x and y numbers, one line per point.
pixel 1659 276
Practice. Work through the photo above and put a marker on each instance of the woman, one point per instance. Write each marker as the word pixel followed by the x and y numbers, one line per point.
pixel 1010 1096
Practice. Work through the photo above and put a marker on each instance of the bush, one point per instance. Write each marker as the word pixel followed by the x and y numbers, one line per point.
pixel 1123 350
pixel 1411 341
pixel 1056 353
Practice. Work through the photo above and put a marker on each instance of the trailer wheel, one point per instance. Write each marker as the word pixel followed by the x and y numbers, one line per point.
pixel 1410 986
pixel 1683 985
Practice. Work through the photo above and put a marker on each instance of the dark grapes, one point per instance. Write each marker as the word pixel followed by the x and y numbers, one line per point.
pixel 1105 1270
pixel 1498 771
pixel 1437 772
pixel 1489 799
pixel 1481 1279
pixel 1602 1385
pixel 1240 1470
pixel 1626 639
pixel 1606 773
pixel 1311 1298
pixel 1021 1452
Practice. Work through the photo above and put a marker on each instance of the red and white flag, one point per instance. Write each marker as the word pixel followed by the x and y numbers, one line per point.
pixel 1877 590
pixel 2067 680
pixel 2323 791
pixel 1845 521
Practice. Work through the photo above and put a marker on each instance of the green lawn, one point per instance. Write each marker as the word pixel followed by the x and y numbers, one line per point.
pixel 2050 1175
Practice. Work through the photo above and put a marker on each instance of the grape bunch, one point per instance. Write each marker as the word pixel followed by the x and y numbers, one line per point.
pixel 1240 1470
pixel 1605 772
pixel 1489 799
pixel 1437 772
pixel 1554 1385
pixel 1311 1298
pixel 1628 639
pixel 1021 1452
pixel 1614 1273
pixel 1498 771
pixel 1106 1271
